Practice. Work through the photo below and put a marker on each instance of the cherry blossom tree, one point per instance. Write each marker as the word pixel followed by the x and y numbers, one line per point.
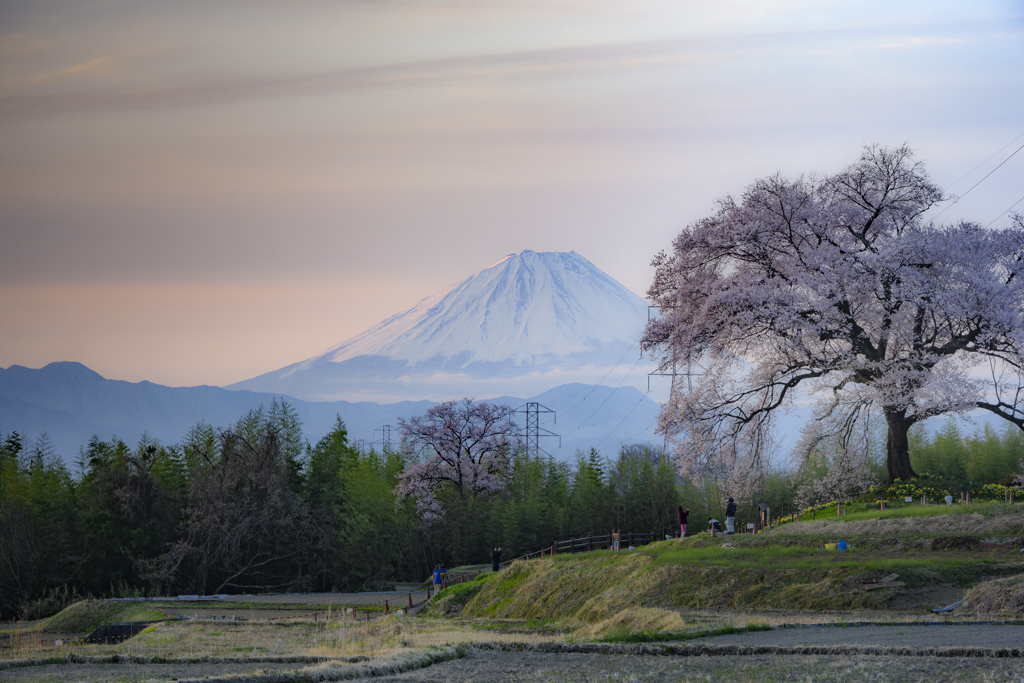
pixel 834 285
pixel 835 453
pixel 461 444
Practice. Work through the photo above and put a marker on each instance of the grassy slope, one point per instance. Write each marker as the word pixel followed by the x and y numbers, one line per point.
pixel 784 569
pixel 87 615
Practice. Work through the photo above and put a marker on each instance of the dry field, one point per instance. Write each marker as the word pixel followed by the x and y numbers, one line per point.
pixel 412 648
pixel 602 617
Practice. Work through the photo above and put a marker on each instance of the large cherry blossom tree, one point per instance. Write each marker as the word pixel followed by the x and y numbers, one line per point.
pixel 837 286
pixel 460 444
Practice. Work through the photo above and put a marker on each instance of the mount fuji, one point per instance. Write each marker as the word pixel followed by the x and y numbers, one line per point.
pixel 524 325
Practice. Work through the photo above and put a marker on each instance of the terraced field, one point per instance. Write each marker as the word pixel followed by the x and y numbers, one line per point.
pixel 775 606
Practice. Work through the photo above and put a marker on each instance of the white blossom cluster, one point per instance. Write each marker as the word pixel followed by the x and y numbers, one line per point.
pixel 836 285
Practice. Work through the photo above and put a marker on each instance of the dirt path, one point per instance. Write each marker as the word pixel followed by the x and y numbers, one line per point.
pixel 516 667
pixel 59 673
pixel 930 635
pixel 326 599
pixel 316 602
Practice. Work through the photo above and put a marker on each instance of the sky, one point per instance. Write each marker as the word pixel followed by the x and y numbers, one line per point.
pixel 201 192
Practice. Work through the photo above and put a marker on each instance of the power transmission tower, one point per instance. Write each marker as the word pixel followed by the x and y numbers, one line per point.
pixel 534 431
pixel 385 437
pixel 675 374
pixel 361 445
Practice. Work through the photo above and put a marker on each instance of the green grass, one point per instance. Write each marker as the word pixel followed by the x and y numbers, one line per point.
pixel 913 511
pixel 799 557
pixel 88 615
pixel 453 598
pixel 773 570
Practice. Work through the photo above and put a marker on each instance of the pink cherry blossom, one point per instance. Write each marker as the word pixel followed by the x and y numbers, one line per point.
pixel 835 285
pixel 461 444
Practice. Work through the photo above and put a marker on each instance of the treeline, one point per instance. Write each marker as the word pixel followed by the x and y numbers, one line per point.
pixel 255 508
pixel 988 456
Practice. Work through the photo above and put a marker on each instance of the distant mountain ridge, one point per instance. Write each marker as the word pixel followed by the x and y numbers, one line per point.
pixel 71 403
pixel 527 323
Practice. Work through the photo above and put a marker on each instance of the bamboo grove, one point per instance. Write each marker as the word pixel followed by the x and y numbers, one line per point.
pixel 255 508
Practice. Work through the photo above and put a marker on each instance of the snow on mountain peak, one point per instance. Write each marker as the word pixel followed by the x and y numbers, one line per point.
pixel 527 308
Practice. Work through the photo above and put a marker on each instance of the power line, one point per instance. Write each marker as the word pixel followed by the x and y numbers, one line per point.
pixel 979 182
pixel 608 396
pixel 1006 212
pixel 601 421
pixel 621 423
pixel 983 163
pixel 614 367
pixel 645 429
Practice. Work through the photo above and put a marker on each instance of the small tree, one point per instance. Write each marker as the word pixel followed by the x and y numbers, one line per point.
pixel 463 445
pixel 834 284
pixel 243 528
pixel 835 457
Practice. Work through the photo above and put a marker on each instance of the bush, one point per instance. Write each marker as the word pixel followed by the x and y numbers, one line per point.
pixel 52 602
pixel 1009 479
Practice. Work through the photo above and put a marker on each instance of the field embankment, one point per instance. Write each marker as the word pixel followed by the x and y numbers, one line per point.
pixel 785 569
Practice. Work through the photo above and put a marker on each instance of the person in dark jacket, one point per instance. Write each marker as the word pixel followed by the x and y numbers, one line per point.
pixel 683 515
pixel 730 517
pixel 495 558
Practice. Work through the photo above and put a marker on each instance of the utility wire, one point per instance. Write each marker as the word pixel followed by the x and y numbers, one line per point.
pixel 645 429
pixel 601 421
pixel 607 397
pixel 1005 212
pixel 593 388
pixel 623 421
pixel 979 183
pixel 983 163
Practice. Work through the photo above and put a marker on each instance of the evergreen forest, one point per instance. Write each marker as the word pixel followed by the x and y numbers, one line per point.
pixel 255 508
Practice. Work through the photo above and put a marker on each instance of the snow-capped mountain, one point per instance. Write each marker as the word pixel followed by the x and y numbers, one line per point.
pixel 530 322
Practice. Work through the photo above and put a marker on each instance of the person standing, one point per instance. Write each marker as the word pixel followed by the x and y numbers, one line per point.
pixel 730 517
pixel 495 558
pixel 683 516
pixel 437 579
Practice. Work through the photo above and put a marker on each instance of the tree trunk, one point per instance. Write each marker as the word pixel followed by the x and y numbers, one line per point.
pixel 897 446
